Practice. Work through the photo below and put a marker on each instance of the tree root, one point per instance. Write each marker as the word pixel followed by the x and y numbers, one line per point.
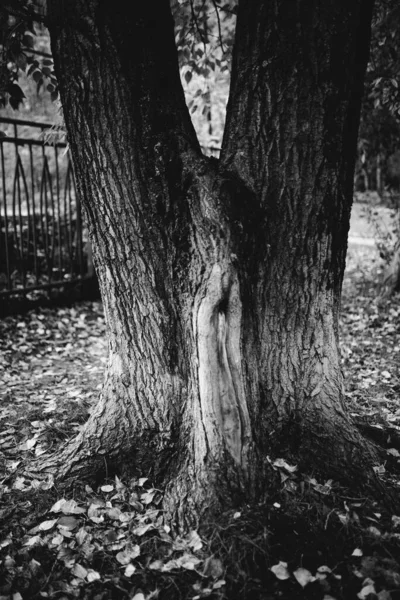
pixel 338 452
pixel 384 435
pixel 68 466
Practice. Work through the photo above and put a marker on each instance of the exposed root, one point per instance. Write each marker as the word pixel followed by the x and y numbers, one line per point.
pixel 386 436
pixel 68 465
pixel 339 453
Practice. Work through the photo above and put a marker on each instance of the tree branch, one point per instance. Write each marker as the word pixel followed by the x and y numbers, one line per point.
pixel 276 50
pixel 139 49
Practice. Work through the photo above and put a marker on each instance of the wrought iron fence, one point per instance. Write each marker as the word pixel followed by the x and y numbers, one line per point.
pixel 43 240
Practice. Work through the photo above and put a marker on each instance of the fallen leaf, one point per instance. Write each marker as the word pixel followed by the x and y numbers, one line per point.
pixel 126 517
pixel 113 513
pixel 213 567
pixel 130 570
pixel 57 506
pixel 303 576
pixel 97 520
pixel 68 523
pixel 107 488
pixel 281 571
pixel 384 595
pixel 156 565
pixel 218 584
pixel 142 529
pixel 393 452
pixel 379 470
pixel 118 484
pixel 147 497
pixel 128 554
pixel 324 569
pixel 112 536
pixel 396 521
pixel 57 540
pixel 188 562
pixel 45 526
pixel 81 535
pixel 29 444
pixel 9 562
pixel 79 571
pixel 322 489
pixel 34 566
pixel 282 464
pixel 366 591
pixel 70 507
pixel 19 484
pixel 194 541
pixel 33 541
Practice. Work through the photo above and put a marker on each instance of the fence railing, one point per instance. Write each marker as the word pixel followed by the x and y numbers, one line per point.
pixel 43 241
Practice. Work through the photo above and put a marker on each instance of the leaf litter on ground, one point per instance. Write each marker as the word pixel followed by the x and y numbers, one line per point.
pixel 113 541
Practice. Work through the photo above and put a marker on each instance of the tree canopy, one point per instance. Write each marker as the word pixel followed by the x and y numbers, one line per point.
pixel 204 38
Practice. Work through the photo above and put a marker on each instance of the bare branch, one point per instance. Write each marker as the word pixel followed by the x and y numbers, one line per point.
pixel 216 7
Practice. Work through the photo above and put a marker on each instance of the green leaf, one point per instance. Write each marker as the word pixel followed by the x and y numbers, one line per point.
pixel 37 75
pixel 21 61
pixel 15 91
pixel 15 102
pixel 28 40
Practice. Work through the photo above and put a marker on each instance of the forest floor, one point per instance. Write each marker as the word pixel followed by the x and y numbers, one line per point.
pixel 111 542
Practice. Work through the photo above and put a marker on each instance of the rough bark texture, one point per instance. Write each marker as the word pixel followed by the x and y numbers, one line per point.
pixel 220 279
pixel 291 133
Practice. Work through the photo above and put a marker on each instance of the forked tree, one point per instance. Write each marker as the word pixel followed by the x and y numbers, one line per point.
pixel 221 279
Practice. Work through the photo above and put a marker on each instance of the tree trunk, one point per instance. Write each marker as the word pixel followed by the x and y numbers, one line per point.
pixel 364 175
pixel 379 183
pixel 291 138
pixel 220 279
pixel 391 276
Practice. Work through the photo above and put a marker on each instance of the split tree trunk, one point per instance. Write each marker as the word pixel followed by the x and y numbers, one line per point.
pixel 220 279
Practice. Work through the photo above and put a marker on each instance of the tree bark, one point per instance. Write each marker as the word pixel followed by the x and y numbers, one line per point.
pixel 391 276
pixel 220 279
pixel 291 132
pixel 379 182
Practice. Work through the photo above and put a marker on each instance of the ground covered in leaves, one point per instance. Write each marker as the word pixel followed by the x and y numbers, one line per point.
pixel 312 541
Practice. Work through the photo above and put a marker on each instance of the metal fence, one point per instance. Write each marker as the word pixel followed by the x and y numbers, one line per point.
pixel 43 241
